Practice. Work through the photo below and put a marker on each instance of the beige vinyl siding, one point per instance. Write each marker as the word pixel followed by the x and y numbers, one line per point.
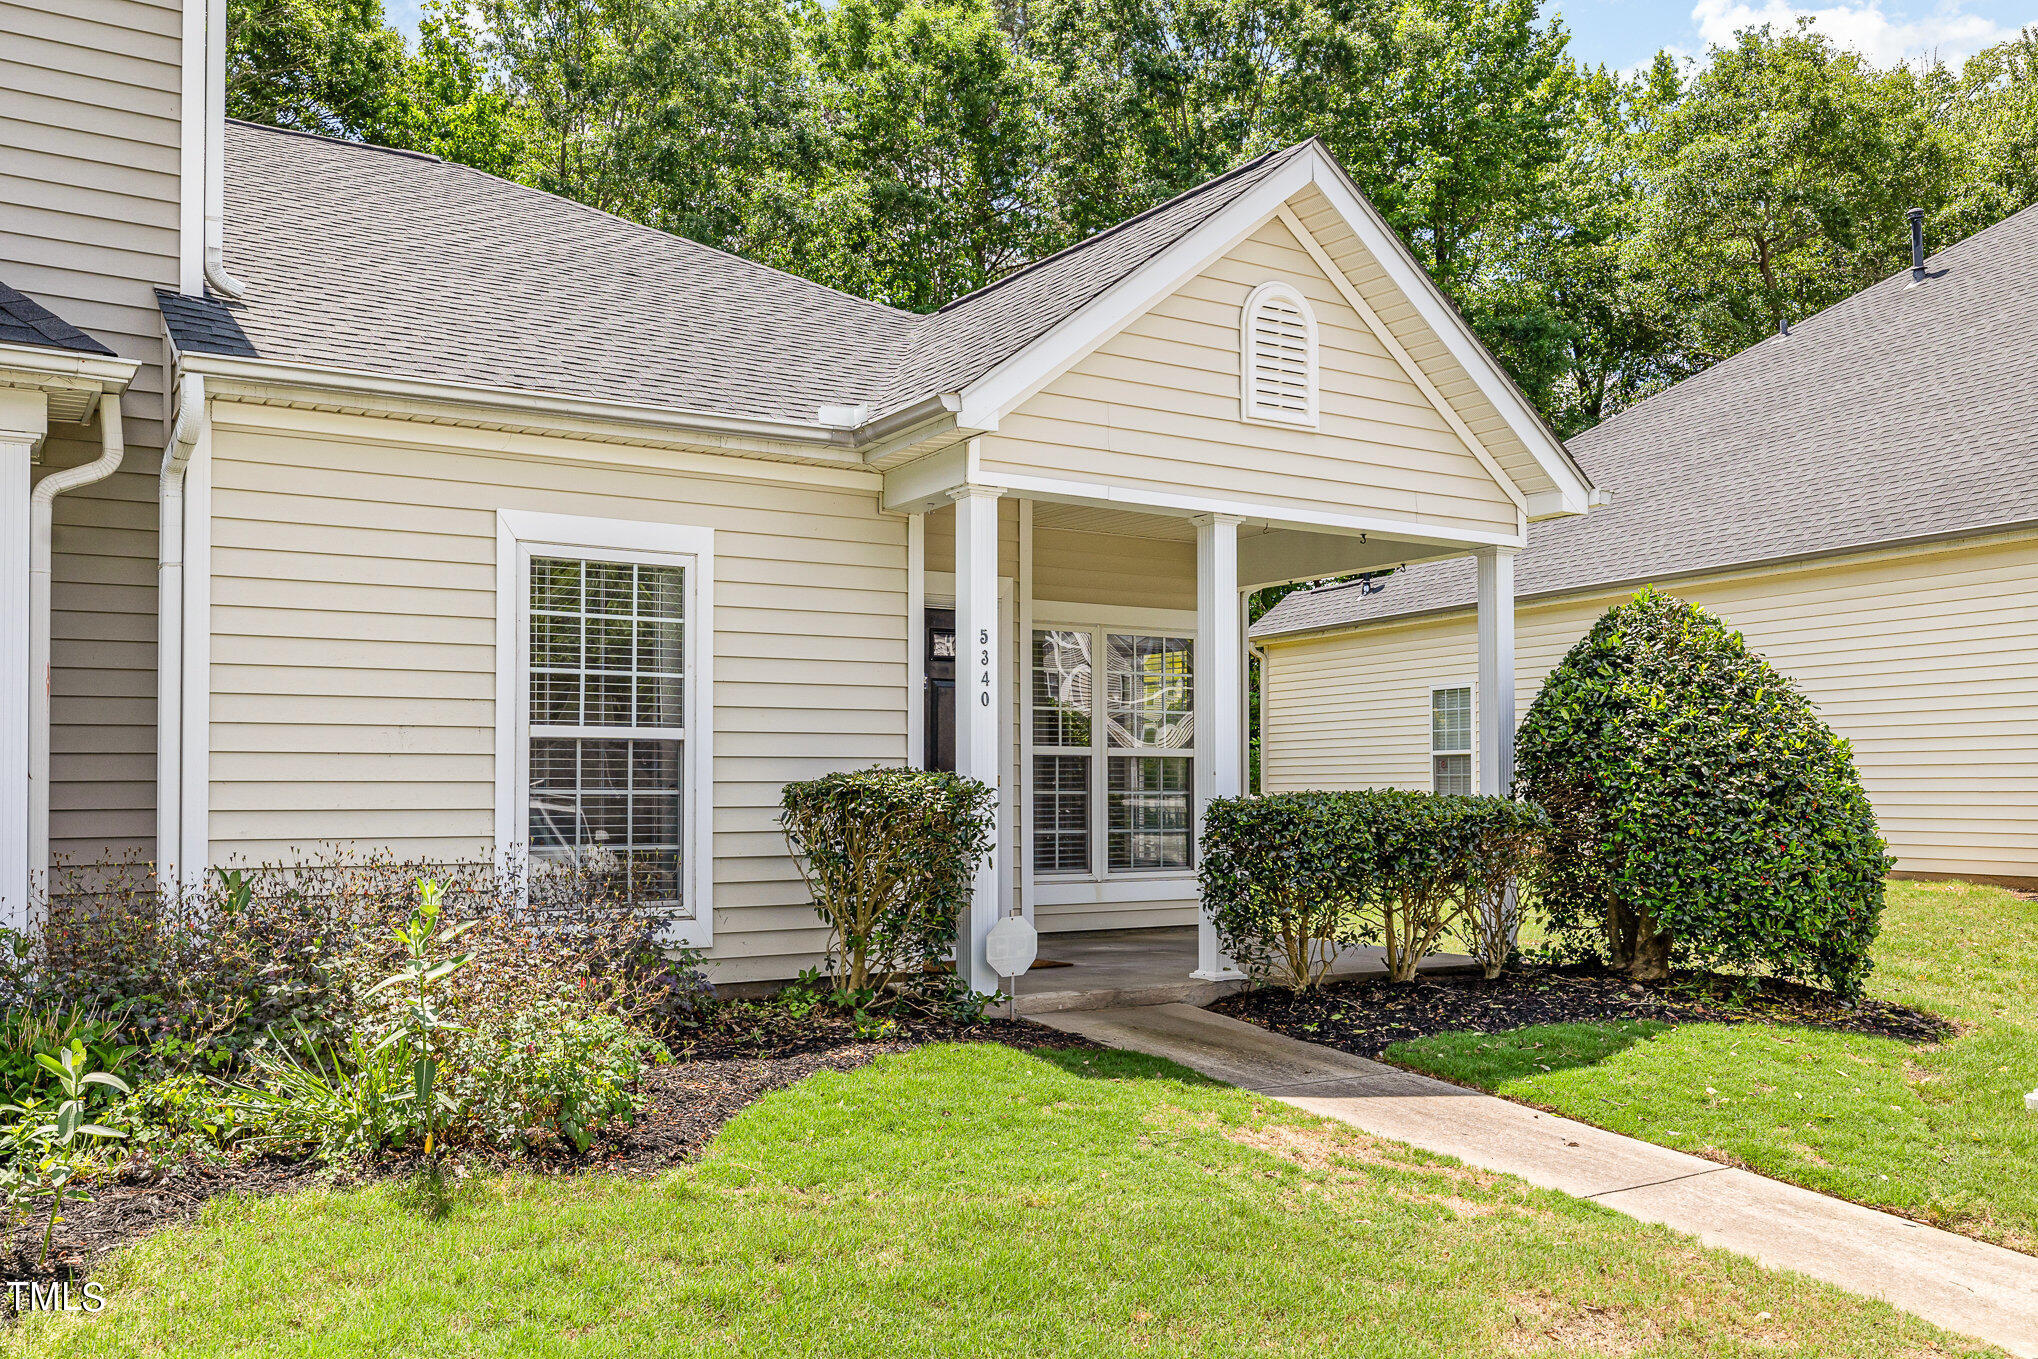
pixel 1156 408
pixel 353 641
pixel 1927 660
pixel 1418 339
pixel 89 173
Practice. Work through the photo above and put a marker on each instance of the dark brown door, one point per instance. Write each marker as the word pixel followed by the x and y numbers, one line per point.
pixel 940 653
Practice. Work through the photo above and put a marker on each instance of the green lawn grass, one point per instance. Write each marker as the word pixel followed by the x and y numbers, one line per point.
pixel 972 1200
pixel 1939 1133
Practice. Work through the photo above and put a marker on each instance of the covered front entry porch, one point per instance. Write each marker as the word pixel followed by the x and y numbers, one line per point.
pixel 1111 969
pixel 1087 658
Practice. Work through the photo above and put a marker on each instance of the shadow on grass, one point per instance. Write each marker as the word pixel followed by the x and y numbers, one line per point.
pixel 1115 1064
pixel 1488 1060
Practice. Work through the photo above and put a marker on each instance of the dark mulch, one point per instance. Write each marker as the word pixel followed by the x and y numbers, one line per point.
pixel 1367 1015
pixel 714 1077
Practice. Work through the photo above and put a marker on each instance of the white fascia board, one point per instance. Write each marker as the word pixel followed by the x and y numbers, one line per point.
pixel 25 365
pixel 542 412
pixel 1002 389
pixel 1573 489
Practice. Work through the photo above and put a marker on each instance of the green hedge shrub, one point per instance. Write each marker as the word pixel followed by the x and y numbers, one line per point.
pixel 1285 879
pixel 1291 878
pixel 1702 811
pixel 889 855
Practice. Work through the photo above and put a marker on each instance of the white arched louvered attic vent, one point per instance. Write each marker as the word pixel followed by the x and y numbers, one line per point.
pixel 1277 353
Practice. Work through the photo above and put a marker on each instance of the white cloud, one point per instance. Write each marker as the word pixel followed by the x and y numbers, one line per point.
pixel 1947 31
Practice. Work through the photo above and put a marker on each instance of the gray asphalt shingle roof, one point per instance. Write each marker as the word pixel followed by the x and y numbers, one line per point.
pixel 386 261
pixel 23 320
pixel 1901 414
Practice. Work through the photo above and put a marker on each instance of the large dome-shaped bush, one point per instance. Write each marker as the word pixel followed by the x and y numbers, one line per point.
pixel 1701 809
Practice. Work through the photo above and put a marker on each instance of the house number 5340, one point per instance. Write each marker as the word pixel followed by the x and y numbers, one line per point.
pixel 984 660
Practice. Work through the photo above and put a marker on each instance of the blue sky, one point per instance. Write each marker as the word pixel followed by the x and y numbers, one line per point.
pixel 1626 33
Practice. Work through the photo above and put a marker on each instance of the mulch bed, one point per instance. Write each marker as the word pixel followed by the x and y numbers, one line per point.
pixel 714 1076
pixel 1367 1015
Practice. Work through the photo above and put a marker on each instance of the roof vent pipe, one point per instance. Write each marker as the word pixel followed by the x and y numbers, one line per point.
pixel 1917 216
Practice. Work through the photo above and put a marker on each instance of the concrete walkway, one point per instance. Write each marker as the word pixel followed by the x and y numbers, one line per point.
pixel 1961 1284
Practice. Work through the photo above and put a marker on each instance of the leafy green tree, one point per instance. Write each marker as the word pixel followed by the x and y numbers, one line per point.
pixel 450 102
pixel 935 137
pixel 1775 180
pixel 1992 121
pixel 327 66
pixel 1611 337
pixel 568 62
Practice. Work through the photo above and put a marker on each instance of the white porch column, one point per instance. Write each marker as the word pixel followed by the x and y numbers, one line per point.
pixel 17 447
pixel 1220 686
pixel 1496 670
pixel 978 696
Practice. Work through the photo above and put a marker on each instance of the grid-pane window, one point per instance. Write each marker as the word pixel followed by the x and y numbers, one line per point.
pixel 608 690
pixel 1112 762
pixel 1063 701
pixel 1450 740
pixel 1150 694
pixel 1061 813
pixel 1148 812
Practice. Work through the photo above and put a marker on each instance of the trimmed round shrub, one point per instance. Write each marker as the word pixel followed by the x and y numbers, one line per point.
pixel 1701 810
pixel 889 855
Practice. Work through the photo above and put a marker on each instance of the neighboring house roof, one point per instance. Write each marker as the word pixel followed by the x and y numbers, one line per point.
pixel 364 258
pixel 1905 413
pixel 27 322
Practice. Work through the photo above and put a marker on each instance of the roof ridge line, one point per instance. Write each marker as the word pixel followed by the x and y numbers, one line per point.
pixel 1761 346
pixel 354 142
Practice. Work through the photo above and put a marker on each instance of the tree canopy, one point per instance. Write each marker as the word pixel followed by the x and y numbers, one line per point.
pixel 1605 235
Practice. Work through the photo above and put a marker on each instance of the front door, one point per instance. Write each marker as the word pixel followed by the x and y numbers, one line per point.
pixel 939 650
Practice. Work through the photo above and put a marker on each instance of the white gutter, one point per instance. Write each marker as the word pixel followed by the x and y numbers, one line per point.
pixel 215 153
pixel 170 626
pixel 534 407
pixel 41 513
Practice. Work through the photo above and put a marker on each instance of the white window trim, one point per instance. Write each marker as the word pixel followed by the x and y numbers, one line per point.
pixel 1133 884
pixel 1471 752
pixel 1248 409
pixel 522 534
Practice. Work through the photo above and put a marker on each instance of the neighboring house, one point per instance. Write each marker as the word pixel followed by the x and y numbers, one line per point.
pixel 488 524
pixel 1858 496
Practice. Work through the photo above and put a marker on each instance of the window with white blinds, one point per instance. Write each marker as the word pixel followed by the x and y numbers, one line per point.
pixel 1450 740
pixel 1278 353
pixel 1111 729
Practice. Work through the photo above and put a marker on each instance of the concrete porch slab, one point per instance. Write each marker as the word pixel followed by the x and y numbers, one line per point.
pixel 1961 1284
pixel 1110 969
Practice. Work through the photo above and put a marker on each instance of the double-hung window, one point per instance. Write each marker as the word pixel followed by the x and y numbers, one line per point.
pixel 612 764
pixel 1112 741
pixel 1450 740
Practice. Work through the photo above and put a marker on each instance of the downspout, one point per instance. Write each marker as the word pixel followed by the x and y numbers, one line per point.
pixel 223 283
pixel 41 514
pixel 170 626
